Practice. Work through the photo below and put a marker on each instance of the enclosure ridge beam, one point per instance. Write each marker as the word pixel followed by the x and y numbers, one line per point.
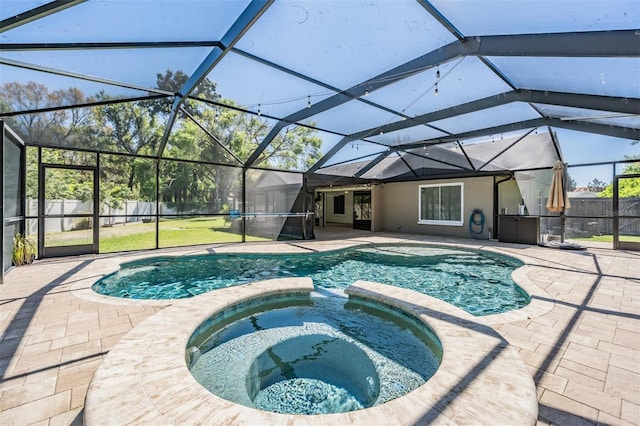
pixel 505 128
pixel 407 164
pixel 283 69
pixel 37 13
pixel 602 44
pixel 86 77
pixel 82 105
pixel 372 163
pixel 486 163
pixel 247 18
pixel 578 100
pixel 600 129
pixel 436 160
pixel 107 45
pixel 441 19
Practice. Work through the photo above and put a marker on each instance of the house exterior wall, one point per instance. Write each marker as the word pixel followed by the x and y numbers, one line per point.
pixel 400 212
pixel 377 207
pixel 347 217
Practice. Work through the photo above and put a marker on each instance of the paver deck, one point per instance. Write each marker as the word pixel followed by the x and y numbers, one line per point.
pixel 583 354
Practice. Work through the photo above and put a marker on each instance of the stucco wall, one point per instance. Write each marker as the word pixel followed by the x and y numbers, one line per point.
pixel 347 217
pixel 400 207
pixel 377 207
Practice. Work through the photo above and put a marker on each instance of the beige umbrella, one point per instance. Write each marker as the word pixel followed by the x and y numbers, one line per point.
pixel 557 201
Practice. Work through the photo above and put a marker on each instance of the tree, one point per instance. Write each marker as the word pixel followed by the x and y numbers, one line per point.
pixel 296 147
pixel 69 127
pixel 596 185
pixel 130 127
pixel 174 82
pixel 627 188
pixel 136 128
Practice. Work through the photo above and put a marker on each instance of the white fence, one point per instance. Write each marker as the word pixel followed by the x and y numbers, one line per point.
pixel 131 211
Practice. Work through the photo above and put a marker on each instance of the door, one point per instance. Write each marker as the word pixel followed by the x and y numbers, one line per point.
pixel 626 217
pixel 68 212
pixel 362 210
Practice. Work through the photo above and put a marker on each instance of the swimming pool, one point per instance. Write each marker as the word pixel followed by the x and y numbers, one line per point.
pixel 476 281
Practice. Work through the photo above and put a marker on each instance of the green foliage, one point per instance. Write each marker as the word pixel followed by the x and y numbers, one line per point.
pixel 627 187
pixel 24 249
pixel 229 138
pixel 114 196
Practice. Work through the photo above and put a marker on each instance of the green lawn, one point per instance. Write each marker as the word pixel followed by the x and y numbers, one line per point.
pixel 609 238
pixel 138 235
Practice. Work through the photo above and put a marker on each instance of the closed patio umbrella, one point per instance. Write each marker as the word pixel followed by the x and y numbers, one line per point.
pixel 557 201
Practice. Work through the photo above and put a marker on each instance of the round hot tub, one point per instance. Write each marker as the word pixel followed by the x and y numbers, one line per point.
pixel 313 355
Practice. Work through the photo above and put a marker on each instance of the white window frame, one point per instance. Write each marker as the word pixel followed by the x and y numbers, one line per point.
pixel 441 222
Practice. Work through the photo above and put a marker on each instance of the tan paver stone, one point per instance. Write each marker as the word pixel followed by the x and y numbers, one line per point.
pixel 36 411
pixel 561 410
pixel 81 352
pixel 595 333
pixel 581 378
pixel 29 363
pixel 587 356
pixel 72 417
pixel 75 375
pixel 583 369
pixel 82 327
pixel 19 396
pixel 78 395
pixel 71 340
pixel 40 375
pixel 50 334
pixel 594 398
pixel 625 363
pixel 111 330
pixel 609 420
pixel 583 338
pixel 628 339
pixel 37 348
pixel 10 383
pixel 623 384
pixel 633 355
pixel 630 411
pixel 552 382
pixel 542 357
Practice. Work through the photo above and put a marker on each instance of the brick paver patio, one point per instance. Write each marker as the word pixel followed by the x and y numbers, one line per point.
pixel 584 354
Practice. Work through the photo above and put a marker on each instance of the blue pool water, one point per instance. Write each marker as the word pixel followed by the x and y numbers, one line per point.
pixel 315 356
pixel 476 281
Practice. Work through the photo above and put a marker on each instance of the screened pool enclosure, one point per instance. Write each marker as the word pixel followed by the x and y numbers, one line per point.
pixel 143 124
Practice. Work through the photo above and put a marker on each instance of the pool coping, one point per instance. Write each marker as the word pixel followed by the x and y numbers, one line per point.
pixel 144 379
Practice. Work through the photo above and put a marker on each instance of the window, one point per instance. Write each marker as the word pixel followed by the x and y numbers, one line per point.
pixel 441 204
pixel 338 204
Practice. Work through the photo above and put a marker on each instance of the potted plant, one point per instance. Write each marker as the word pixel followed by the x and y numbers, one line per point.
pixel 24 249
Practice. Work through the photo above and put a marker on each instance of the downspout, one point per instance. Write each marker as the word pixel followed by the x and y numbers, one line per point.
pixel 496 204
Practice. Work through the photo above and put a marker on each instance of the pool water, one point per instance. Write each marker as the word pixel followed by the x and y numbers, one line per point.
pixel 319 356
pixel 476 281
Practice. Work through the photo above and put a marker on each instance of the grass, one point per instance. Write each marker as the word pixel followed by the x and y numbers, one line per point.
pixel 609 238
pixel 138 235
